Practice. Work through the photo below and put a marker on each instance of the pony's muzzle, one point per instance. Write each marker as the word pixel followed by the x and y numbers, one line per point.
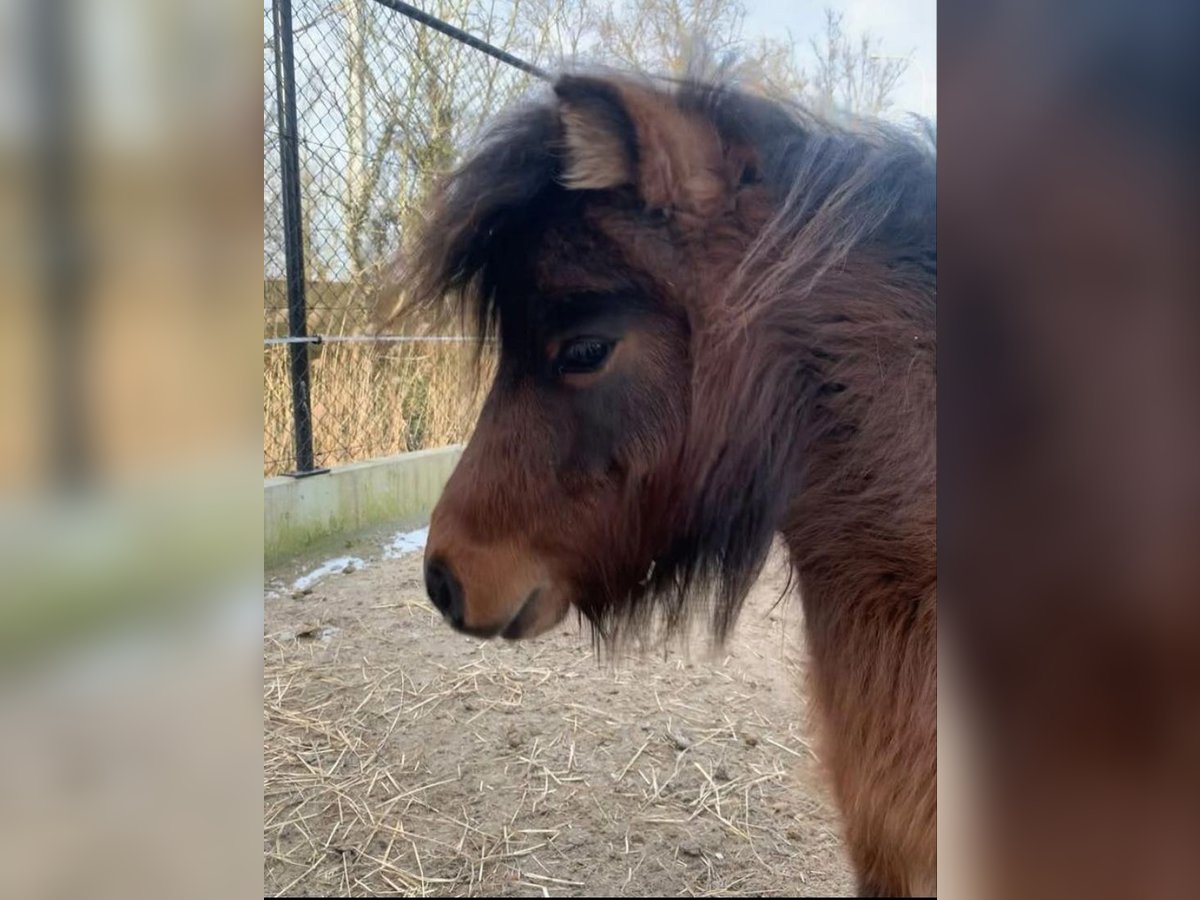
pixel 491 590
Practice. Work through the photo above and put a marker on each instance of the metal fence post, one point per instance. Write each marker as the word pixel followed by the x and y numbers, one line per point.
pixel 63 261
pixel 365 167
pixel 293 237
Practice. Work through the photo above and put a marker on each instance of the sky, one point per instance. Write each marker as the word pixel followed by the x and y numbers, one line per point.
pixel 901 27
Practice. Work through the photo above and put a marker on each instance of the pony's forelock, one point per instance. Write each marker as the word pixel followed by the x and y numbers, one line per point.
pixel 445 276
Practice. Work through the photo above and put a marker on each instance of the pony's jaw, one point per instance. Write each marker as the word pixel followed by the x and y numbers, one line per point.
pixel 544 609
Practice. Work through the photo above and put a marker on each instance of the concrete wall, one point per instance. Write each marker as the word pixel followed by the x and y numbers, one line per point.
pixel 402 490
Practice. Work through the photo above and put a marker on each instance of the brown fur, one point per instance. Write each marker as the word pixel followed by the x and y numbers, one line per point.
pixel 768 279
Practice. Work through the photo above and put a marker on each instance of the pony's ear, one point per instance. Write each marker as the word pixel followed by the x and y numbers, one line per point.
pixel 601 143
pixel 620 133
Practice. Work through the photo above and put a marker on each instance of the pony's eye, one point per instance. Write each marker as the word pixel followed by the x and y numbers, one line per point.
pixel 582 355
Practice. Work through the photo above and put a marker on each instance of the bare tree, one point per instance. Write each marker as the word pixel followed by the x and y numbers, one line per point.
pixel 565 30
pixel 850 74
pixel 678 37
pixel 661 36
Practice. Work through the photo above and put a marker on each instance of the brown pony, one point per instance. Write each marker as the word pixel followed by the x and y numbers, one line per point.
pixel 716 317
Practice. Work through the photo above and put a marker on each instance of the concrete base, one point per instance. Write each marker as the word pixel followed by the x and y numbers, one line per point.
pixel 402 490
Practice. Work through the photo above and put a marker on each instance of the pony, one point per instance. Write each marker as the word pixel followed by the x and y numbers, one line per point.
pixel 715 315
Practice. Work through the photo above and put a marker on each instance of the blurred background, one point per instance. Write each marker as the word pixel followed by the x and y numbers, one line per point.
pixel 131 484
pixel 1069 430
pixel 130 488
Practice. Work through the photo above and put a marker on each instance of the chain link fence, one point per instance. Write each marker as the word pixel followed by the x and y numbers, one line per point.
pixel 365 104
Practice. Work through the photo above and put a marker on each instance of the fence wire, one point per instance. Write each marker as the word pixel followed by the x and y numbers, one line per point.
pixel 386 97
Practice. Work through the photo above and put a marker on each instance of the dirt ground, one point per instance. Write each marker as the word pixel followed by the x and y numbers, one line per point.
pixel 404 758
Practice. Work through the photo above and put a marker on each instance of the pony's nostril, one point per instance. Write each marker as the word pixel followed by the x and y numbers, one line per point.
pixel 444 591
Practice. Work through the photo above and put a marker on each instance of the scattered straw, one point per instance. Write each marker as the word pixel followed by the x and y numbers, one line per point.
pixel 435 766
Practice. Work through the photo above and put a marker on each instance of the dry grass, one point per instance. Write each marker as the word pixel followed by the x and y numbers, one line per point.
pixel 403 759
pixel 374 399
pixel 387 837
pixel 320 762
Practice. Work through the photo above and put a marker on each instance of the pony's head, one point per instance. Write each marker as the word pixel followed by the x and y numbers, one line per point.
pixel 627 243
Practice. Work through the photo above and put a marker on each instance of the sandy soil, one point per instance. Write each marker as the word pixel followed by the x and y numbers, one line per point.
pixel 403 758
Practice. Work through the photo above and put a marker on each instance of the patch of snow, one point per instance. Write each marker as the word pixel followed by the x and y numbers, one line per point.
pixel 327 568
pixel 406 542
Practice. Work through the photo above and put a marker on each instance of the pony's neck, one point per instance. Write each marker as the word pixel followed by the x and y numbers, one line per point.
pixel 863 487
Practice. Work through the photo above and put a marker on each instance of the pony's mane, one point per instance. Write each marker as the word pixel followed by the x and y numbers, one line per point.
pixel 838 189
pixel 838 186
